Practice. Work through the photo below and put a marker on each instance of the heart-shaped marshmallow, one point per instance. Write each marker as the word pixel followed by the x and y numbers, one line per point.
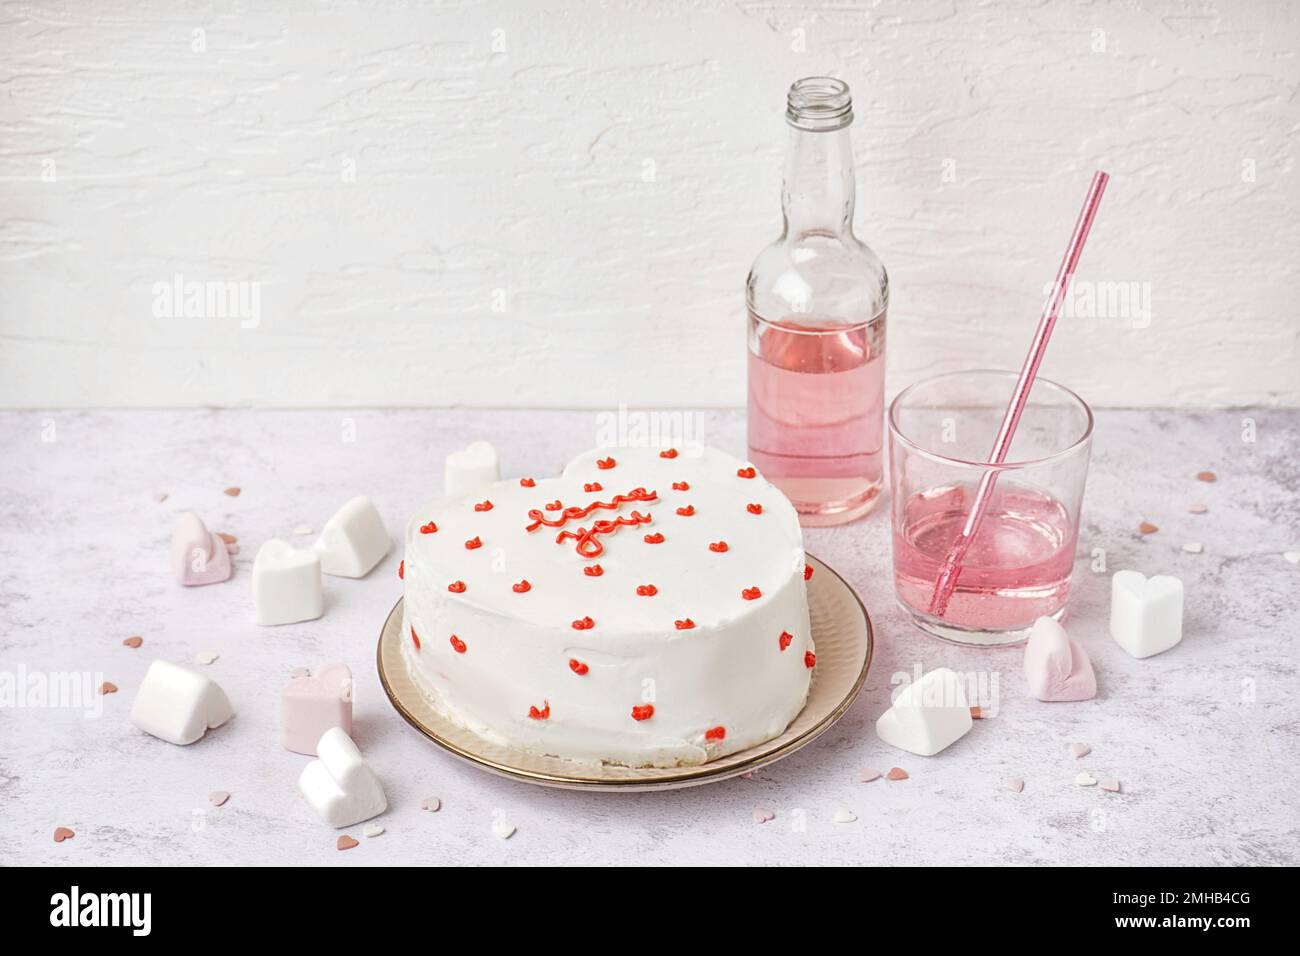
pixel 1146 614
pixel 650 645
pixel 197 556
pixel 286 584
pixel 1056 667
pixel 928 715
pixel 353 541
pixel 313 703
pixel 339 785
pixel 477 466
pixel 177 705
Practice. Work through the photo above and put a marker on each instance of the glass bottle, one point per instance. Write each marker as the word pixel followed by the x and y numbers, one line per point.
pixel 817 299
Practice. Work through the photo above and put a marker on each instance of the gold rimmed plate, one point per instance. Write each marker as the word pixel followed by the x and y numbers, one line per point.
pixel 842 633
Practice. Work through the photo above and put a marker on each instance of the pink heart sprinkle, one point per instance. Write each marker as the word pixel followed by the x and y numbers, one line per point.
pixel 1197 509
pixel 1016 784
pixel 63 833
pixel 218 797
pixel 1110 784
pixel 763 815
pixel 1080 750
pixel 432 804
pixel 346 842
pixel 896 773
pixel 868 774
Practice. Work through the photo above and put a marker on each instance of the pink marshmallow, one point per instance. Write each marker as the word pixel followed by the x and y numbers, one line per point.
pixel 313 703
pixel 1057 668
pixel 197 556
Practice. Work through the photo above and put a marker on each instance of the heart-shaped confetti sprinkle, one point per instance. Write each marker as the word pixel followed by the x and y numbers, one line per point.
pixel 1080 750
pixel 784 640
pixel 501 829
pixel 63 833
pixel 1086 779
pixel 578 667
pixel 643 711
pixel 474 542
pixel 527 483
pixel 302 529
pixel 432 804
pixel 843 815
pixel 593 570
pixel 605 464
pixel 593 486
pixel 751 594
pixel 483 506
pixel 681 486
pixel 646 590
pixel 372 830
pixel 896 773
pixel 429 528
pixel 583 624
pixel 522 587
pixel 668 453
pixel 754 508
pixel 1110 785
pixel 685 624
pixel 401 569
pixel 1197 509
pixel 716 733
pixel 415 638
pixel 1015 784
pixel 544 713
pixel 206 657
pixel 807 572
pixel 1206 476
pixel 655 538
pixel 809 659
pixel 746 472
pixel 457 644
pixel 107 688
pixel 687 511
pixel 218 797
pixel 134 641
pixel 346 842
pixel 1146 527
pixel 1193 547
pixel 868 774
pixel 456 587
pixel 1292 556
pixel 763 815
pixel 977 713
pixel 232 491
pixel 228 538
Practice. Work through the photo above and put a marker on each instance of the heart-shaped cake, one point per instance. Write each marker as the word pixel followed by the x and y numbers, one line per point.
pixel 646 608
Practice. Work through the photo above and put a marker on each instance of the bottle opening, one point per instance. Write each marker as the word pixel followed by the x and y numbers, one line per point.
pixel 820 104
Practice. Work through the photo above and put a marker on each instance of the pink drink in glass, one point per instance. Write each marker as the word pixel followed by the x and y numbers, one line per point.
pixel 816 413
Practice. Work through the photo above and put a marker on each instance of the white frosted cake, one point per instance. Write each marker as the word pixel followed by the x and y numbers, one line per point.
pixel 646 608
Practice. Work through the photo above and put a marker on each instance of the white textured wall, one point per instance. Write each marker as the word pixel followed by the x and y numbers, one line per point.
pixel 568 220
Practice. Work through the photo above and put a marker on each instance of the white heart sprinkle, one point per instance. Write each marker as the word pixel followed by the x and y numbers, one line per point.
pixel 1292 556
pixel 206 657
pixel 1016 784
pixel 432 804
pixel 302 529
pixel 1085 779
pixel 372 829
pixel 1193 547
pixel 1197 509
pixel 503 830
pixel 218 797
pixel 844 816
pixel 1080 750
pixel 1110 785
pixel 762 815
pixel 868 774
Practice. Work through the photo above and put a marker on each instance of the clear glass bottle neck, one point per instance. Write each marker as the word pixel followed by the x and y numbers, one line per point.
pixel 817 195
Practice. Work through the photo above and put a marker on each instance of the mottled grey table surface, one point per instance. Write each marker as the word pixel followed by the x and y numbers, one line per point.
pixel 1204 738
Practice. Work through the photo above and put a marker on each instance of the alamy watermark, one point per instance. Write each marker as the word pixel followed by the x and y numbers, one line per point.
pixel 192 299
pixel 68 690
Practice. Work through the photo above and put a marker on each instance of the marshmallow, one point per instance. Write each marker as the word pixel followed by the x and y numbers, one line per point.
pixel 476 466
pixel 313 703
pixel 353 541
pixel 1056 667
pixel 1146 614
pixel 177 705
pixel 286 584
pixel 198 556
pixel 928 715
pixel 339 785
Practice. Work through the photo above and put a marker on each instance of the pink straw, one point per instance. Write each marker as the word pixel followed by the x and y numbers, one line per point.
pixel 951 569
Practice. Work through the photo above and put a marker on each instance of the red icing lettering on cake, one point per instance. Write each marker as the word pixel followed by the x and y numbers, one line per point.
pixel 576 513
pixel 589 545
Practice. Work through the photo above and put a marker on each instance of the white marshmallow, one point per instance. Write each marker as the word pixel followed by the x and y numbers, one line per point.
pixel 928 715
pixel 476 466
pixel 286 584
pixel 340 786
pixel 177 705
pixel 353 541
pixel 1146 614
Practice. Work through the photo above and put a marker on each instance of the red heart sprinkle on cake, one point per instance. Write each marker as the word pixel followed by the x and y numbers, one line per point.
pixel 647 590
pixel 751 594
pixel 681 486
pixel 807 572
pixel 483 506
pixel 456 587
pixel 754 509
pixel 716 733
pixel 605 464
pixel 809 659
pixel 584 624
pixel 543 714
pixel 593 570
pixel 429 528
pixel 522 587
pixel 474 542
pixel 785 639
pixel 718 547
pixel 527 483
pixel 668 453
pixel 457 644
pixel 555 505
pixel 593 486
pixel 578 667
pixel 684 625
pixel 655 538
pixel 746 472
pixel 687 511
pixel 643 711
pixel 415 639
pixel 401 569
